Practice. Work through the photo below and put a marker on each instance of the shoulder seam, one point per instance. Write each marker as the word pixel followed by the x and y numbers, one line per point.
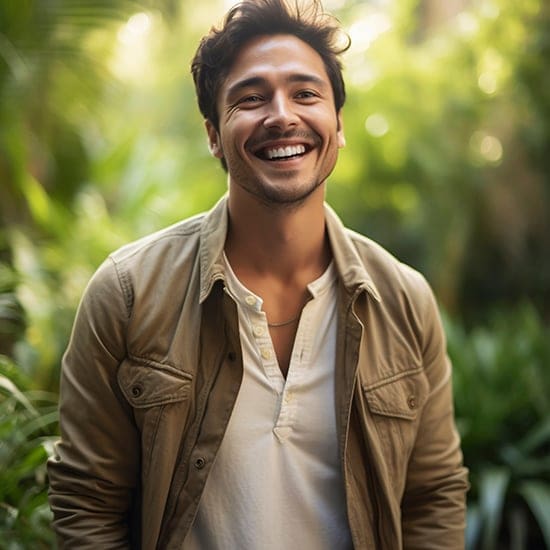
pixel 139 245
pixel 125 286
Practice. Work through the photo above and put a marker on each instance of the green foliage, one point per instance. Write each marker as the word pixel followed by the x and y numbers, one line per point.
pixel 446 164
pixel 12 315
pixel 502 383
pixel 446 125
pixel 28 424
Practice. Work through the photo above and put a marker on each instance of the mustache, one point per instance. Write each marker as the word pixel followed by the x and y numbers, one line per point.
pixel 274 134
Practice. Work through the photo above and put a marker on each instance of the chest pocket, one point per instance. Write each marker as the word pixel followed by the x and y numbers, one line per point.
pixel 151 384
pixel 401 396
pixel 158 394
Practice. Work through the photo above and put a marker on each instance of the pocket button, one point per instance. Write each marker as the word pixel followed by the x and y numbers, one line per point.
pixel 411 402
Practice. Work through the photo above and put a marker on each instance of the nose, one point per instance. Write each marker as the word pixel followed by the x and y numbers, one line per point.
pixel 281 113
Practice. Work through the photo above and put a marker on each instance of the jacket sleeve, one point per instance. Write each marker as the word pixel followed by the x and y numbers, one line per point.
pixel 94 472
pixel 434 502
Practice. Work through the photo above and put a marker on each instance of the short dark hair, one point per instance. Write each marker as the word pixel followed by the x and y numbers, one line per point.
pixel 251 18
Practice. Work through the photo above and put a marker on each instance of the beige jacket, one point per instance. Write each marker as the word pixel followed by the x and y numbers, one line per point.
pixel 154 366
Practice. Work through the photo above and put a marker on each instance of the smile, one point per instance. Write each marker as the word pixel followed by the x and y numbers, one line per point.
pixel 282 153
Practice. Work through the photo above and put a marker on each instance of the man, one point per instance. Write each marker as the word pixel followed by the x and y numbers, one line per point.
pixel 260 377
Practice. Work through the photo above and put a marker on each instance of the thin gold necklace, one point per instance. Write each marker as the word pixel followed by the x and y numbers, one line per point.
pixel 285 323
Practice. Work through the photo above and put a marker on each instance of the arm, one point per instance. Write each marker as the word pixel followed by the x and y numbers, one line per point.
pixel 434 503
pixel 96 467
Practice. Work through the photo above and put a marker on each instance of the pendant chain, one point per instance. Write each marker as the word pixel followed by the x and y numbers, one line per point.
pixel 285 323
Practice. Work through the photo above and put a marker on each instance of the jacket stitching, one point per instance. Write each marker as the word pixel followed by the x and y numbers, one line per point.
pixel 163 400
pixel 125 287
pixel 130 250
pixel 152 441
pixel 160 366
pixel 391 379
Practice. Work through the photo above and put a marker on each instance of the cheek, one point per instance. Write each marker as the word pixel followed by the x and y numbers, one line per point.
pixel 325 123
pixel 234 134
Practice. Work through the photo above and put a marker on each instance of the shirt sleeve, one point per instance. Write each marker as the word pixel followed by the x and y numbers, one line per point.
pixel 434 502
pixel 94 473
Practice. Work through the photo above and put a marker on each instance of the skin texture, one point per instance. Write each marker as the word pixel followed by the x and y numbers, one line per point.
pixel 277 96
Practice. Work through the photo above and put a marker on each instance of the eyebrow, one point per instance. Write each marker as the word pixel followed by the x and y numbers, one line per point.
pixel 260 81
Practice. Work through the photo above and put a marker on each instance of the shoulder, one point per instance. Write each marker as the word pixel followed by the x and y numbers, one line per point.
pixel 388 273
pixel 405 296
pixel 407 301
pixel 362 261
pixel 160 242
pixel 148 265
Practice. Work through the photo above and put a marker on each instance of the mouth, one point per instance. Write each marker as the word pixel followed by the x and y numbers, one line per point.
pixel 282 153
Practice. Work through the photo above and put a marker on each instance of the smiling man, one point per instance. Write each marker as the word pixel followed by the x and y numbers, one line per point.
pixel 278 128
pixel 259 376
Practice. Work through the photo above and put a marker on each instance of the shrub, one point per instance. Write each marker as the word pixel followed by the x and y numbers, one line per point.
pixel 28 422
pixel 501 386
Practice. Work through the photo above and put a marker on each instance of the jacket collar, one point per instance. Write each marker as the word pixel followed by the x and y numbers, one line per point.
pixel 212 241
pixel 349 266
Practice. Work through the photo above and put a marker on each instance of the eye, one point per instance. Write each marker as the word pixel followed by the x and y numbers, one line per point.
pixel 250 99
pixel 307 95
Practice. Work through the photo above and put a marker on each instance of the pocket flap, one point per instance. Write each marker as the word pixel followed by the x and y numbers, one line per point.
pixel 401 396
pixel 146 384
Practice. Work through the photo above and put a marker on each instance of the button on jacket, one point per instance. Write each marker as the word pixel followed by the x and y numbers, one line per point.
pixel 154 366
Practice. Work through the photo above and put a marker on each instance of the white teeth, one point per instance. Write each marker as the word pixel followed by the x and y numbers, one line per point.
pixel 283 152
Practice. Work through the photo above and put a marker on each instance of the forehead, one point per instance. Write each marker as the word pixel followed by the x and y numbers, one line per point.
pixel 273 57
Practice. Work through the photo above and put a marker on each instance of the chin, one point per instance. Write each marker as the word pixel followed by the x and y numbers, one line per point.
pixel 289 197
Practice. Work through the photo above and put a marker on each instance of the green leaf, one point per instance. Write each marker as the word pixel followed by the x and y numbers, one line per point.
pixel 11 389
pixel 41 422
pixel 473 526
pixel 517 522
pixel 537 436
pixel 537 496
pixel 493 485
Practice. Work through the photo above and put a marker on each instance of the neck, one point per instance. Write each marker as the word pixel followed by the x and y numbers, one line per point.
pixel 278 241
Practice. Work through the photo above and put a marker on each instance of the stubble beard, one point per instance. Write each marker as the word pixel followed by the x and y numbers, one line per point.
pixel 278 196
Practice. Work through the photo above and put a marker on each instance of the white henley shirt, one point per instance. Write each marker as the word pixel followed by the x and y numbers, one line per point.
pixel 276 483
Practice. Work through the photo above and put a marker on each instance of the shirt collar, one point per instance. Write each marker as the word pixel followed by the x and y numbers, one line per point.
pixel 349 266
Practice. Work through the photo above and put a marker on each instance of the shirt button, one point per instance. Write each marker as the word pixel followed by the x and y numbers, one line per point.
pixel 250 300
pixel 200 463
pixel 289 396
pixel 266 353
pixel 258 330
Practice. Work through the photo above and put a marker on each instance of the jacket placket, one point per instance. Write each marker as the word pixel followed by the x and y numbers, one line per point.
pixel 368 502
pixel 219 377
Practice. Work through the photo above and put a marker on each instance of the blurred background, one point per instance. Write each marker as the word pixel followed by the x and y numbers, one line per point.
pixel 447 165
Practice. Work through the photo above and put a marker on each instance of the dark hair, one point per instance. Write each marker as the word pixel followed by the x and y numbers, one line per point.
pixel 251 18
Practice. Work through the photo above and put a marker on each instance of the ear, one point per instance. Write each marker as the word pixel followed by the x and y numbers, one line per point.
pixel 340 130
pixel 214 143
